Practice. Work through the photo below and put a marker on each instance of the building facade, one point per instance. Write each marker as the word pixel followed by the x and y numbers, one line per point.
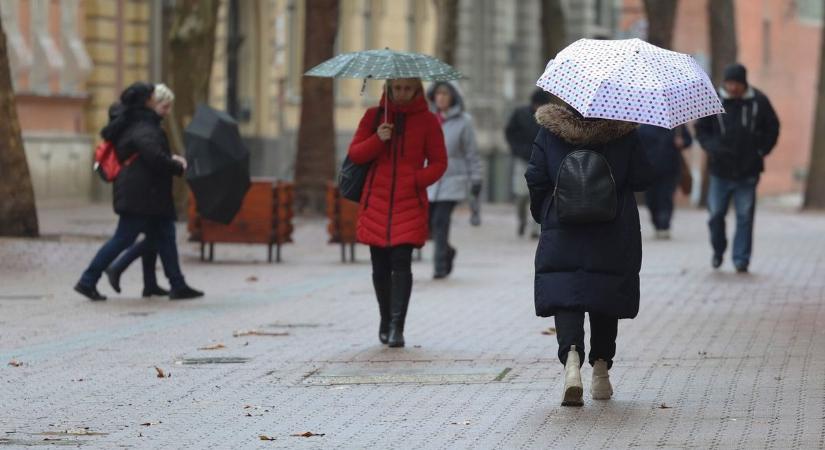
pixel 778 41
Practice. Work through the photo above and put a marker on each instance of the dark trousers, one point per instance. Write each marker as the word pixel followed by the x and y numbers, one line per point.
pixel 148 253
pixel 159 230
pixel 440 215
pixel 659 200
pixel 386 260
pixel 743 193
pixel 570 331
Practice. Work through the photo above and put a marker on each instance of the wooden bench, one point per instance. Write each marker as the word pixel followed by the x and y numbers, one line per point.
pixel 265 217
pixel 343 220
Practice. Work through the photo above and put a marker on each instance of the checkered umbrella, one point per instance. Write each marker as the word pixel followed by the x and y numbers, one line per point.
pixel 630 80
pixel 385 64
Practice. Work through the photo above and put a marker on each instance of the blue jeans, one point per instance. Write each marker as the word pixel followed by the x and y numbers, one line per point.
pixel 147 252
pixel 159 230
pixel 743 192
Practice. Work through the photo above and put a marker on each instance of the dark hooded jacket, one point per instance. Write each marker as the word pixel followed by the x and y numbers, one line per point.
pixel 521 131
pixel 590 267
pixel 144 185
pixel 737 142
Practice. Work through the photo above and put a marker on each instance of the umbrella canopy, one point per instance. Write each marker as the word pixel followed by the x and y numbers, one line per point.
pixel 385 64
pixel 631 80
pixel 218 169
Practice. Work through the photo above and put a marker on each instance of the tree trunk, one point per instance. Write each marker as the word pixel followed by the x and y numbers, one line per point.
pixel 553 32
pixel 723 48
pixel 815 183
pixel 446 37
pixel 723 51
pixel 661 17
pixel 315 164
pixel 188 69
pixel 18 215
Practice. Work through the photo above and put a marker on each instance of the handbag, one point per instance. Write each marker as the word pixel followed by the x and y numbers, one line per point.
pixel 685 177
pixel 352 177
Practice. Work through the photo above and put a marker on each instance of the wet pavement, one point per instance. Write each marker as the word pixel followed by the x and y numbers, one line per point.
pixel 714 360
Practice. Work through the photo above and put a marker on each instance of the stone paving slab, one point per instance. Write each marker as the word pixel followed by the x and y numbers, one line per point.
pixel 714 360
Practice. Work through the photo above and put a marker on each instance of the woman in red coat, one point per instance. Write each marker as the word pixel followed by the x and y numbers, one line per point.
pixel 407 154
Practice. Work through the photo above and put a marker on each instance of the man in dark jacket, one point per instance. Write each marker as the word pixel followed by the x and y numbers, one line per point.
pixel 736 144
pixel 521 131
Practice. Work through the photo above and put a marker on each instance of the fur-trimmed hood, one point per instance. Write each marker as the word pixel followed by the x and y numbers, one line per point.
pixel 579 131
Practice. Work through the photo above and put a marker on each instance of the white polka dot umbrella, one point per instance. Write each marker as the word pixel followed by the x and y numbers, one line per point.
pixel 630 80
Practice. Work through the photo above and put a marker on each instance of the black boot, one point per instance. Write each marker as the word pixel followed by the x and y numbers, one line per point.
pixel 155 290
pixel 113 275
pixel 451 252
pixel 400 300
pixel 89 292
pixel 185 293
pixel 383 285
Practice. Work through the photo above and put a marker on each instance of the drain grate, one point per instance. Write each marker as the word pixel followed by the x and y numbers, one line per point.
pixel 406 375
pixel 213 360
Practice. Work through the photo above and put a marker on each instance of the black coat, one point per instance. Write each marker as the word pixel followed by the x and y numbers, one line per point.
pixel 144 186
pixel 592 267
pixel 521 131
pixel 661 151
pixel 737 142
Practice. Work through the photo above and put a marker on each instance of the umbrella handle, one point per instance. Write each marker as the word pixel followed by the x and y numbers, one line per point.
pixel 386 101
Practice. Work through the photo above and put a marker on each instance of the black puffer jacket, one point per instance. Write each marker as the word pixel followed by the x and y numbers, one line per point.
pixel 590 267
pixel 737 141
pixel 144 186
pixel 521 131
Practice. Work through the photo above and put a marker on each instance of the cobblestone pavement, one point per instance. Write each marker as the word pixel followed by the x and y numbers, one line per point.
pixel 714 360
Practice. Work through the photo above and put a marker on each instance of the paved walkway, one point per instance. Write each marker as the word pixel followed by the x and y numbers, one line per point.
pixel 714 360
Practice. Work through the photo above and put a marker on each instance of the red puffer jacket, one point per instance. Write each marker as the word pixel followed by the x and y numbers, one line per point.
pixel 394 205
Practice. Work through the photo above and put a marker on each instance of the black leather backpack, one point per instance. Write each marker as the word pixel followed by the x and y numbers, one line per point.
pixel 585 189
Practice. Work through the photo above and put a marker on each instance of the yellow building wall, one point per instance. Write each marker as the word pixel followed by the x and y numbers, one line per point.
pixel 116 35
pixel 272 58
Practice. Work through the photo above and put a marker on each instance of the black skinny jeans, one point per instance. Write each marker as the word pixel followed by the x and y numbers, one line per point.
pixel 570 331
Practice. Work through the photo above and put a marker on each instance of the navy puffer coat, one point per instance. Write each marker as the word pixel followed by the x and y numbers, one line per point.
pixel 592 267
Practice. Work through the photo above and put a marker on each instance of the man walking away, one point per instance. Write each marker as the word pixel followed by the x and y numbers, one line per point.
pixel 736 143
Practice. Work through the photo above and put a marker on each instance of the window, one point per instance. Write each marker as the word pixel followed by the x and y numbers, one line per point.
pixel 809 10
pixel 78 63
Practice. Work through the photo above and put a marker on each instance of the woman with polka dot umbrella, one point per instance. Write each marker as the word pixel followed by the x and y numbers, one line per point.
pixel 632 81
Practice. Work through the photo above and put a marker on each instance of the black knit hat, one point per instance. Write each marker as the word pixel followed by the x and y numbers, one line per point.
pixel 137 94
pixel 736 72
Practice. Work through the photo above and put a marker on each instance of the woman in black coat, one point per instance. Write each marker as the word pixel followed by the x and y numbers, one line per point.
pixel 143 189
pixel 592 267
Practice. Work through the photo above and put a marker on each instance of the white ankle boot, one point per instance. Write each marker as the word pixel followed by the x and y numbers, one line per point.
pixel 601 388
pixel 573 388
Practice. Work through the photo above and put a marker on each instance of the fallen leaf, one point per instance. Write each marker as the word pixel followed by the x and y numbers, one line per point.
pixel 664 406
pixel 308 434
pixel 15 363
pixel 264 437
pixel 252 279
pixel 240 333
pixel 549 332
pixel 213 347
pixel 161 373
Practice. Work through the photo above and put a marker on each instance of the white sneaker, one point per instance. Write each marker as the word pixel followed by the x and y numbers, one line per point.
pixel 601 388
pixel 573 388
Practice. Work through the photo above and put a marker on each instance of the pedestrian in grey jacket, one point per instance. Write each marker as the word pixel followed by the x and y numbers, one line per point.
pixel 463 176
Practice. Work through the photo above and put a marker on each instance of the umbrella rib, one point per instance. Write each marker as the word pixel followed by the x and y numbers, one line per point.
pixel 661 87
